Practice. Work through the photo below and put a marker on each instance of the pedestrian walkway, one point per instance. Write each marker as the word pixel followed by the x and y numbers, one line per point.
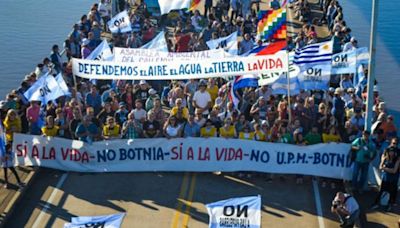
pixel 10 196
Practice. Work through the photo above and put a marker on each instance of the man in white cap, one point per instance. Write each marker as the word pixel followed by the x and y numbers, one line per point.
pixel 143 92
pixel 150 101
pixel 351 46
pixel 85 50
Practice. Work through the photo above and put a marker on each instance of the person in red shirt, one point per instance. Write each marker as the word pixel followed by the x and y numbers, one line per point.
pixel 181 42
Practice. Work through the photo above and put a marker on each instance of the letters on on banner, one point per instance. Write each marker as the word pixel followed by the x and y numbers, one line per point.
pixel 313 77
pixel 45 89
pixel 185 154
pixel 139 55
pixel 120 23
pixel 213 67
pixel 347 62
pixel 106 221
pixel 235 212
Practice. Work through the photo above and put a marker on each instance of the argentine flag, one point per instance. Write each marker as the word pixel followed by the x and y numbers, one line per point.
pixel 102 52
pixel 167 5
pixel 45 89
pixel 235 212
pixel 158 43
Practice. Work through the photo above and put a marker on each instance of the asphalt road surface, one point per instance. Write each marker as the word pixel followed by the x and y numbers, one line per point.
pixel 178 199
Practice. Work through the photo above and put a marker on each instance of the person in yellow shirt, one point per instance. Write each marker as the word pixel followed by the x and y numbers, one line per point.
pixel 332 136
pixel 259 134
pixel 228 130
pixel 111 129
pixel 212 89
pixel 179 108
pixel 208 130
pixel 50 129
pixel 246 133
pixel 12 124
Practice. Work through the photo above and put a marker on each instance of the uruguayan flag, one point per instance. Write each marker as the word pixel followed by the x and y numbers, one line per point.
pixel 105 221
pixel 62 85
pixel 228 43
pixel 235 212
pixel 158 43
pixel 102 52
pixel 45 89
pixel 121 23
pixel 315 64
pixel 320 53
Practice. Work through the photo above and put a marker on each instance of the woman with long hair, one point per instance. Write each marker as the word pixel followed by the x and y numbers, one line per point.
pixel 12 124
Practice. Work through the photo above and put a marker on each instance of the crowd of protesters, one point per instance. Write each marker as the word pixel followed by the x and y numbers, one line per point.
pixel 126 109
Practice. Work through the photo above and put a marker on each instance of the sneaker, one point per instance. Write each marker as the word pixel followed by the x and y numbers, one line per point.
pixel 374 207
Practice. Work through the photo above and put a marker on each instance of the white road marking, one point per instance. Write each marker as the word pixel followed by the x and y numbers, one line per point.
pixel 318 204
pixel 60 182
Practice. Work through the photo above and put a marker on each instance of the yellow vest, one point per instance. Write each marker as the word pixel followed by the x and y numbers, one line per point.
pixel 111 132
pixel 230 133
pixel 326 138
pixel 50 131
pixel 243 135
pixel 260 136
pixel 212 132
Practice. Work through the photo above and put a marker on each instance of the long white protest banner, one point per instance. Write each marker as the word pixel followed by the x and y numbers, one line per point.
pixel 185 154
pixel 140 55
pixel 207 68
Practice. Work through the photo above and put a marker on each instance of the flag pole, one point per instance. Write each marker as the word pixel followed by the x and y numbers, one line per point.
pixel 288 88
pixel 371 65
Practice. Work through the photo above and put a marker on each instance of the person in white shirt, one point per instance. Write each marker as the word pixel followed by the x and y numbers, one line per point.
pixel 139 113
pixel 202 99
pixel 350 46
pixel 105 11
pixel 346 208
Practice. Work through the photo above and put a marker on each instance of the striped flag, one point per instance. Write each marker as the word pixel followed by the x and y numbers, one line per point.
pixel 272 24
pixel 315 64
pixel 194 4
pixel 320 53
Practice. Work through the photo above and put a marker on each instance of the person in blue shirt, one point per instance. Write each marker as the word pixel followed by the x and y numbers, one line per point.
pixel 338 106
pixel 191 129
pixel 365 150
pixel 87 131
pixel 93 99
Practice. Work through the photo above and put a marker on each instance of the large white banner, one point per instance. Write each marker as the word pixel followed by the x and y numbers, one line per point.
pixel 213 67
pixel 235 212
pixel 140 55
pixel 185 154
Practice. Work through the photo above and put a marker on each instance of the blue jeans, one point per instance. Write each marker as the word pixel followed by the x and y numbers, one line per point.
pixel 360 169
